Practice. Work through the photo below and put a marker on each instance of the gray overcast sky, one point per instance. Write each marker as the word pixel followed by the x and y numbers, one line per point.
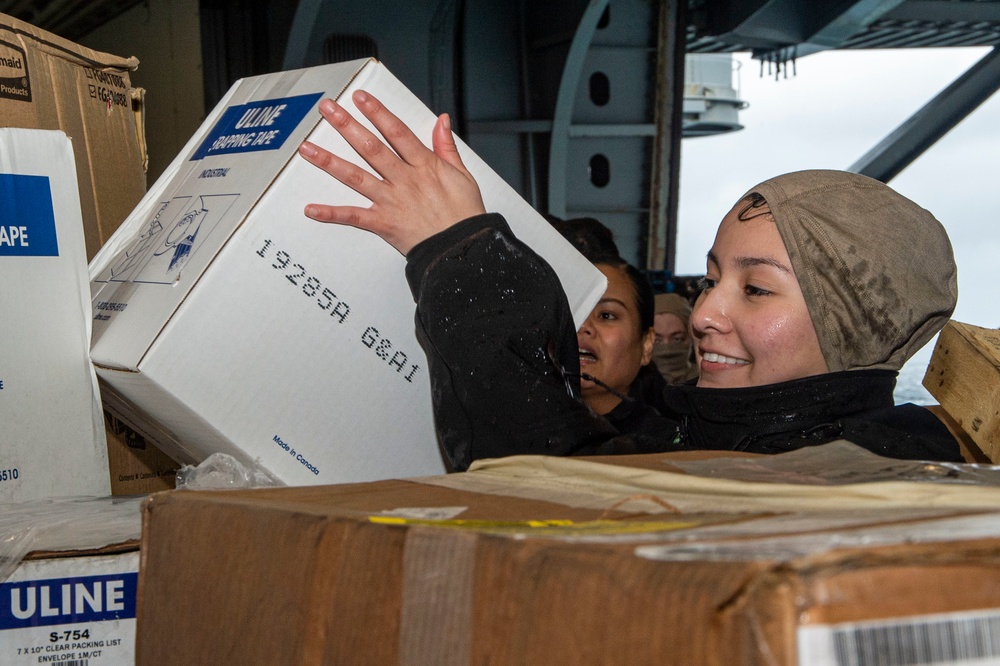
pixel 838 106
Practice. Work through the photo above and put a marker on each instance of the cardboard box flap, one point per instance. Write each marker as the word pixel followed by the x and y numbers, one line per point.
pixel 588 483
pixel 12 28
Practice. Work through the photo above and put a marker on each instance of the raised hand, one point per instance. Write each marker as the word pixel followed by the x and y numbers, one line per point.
pixel 420 192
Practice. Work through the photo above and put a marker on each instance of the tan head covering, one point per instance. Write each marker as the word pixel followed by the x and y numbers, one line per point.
pixel 876 269
pixel 674 304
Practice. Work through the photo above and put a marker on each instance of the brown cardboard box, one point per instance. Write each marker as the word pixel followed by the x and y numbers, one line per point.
pixel 964 376
pixel 480 568
pixel 47 82
pixel 137 466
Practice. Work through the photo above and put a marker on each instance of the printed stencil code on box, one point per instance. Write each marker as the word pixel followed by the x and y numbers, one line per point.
pixel 312 287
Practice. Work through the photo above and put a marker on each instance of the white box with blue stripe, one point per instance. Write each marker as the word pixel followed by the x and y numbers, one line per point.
pixel 68 581
pixel 226 321
pixel 77 611
pixel 52 439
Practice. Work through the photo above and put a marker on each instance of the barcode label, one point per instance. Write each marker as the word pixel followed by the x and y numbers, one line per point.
pixel 955 639
pixel 72 662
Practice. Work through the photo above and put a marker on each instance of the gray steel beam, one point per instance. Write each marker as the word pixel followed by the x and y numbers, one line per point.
pixel 661 232
pixel 921 130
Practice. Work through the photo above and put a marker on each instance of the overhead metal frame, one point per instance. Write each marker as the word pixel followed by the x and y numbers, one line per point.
pixel 925 127
pixel 563 117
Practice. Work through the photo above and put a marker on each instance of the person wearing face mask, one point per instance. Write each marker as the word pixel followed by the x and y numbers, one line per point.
pixel 672 349
pixel 812 303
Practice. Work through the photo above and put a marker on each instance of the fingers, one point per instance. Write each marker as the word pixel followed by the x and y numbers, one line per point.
pixel 351 216
pixel 418 191
pixel 444 143
pixel 367 144
pixel 346 172
pixel 400 137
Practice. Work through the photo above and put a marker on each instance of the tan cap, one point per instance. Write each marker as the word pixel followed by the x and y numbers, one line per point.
pixel 877 270
pixel 674 304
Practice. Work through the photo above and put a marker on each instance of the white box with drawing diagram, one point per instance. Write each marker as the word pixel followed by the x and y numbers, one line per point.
pixel 226 321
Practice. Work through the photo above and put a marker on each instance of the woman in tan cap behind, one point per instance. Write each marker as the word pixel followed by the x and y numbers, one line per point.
pixel 673 353
pixel 820 285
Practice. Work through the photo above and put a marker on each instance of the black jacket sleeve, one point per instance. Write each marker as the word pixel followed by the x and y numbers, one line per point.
pixel 501 348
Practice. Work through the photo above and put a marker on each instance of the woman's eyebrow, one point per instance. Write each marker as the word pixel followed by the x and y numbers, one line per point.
pixel 749 262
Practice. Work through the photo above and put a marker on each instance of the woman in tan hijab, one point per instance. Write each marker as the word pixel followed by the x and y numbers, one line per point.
pixel 820 284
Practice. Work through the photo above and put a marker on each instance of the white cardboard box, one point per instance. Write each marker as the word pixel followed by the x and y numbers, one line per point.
pixel 227 321
pixel 73 599
pixel 78 610
pixel 52 440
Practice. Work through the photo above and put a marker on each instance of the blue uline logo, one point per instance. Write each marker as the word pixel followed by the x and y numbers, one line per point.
pixel 254 126
pixel 27 220
pixel 40 603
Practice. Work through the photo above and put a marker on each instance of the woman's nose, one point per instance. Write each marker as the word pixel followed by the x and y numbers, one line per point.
pixel 710 312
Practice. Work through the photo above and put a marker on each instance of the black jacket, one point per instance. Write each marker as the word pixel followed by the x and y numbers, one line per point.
pixel 504 369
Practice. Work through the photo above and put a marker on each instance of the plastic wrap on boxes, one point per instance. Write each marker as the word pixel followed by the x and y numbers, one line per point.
pixel 65 524
pixel 220 471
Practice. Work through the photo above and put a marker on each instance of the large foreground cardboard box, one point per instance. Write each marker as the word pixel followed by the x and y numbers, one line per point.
pixel 52 440
pixel 542 561
pixel 226 321
pixel 47 82
pixel 68 575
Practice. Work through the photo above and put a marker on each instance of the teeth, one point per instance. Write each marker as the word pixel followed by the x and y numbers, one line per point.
pixel 719 358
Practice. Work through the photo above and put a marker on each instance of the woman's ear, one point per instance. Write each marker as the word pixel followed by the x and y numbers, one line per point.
pixel 647 346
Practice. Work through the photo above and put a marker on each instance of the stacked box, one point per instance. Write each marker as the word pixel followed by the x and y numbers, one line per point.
pixel 964 376
pixel 573 562
pixel 137 466
pixel 51 428
pixel 68 575
pixel 225 321
pixel 47 82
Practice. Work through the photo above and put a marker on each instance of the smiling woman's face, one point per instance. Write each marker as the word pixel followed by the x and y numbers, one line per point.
pixel 751 326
